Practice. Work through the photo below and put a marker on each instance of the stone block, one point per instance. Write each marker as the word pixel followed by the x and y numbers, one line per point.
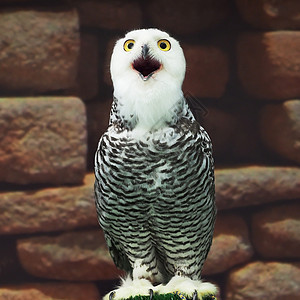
pixel 49 209
pixel 275 231
pixel 187 17
pixel 269 64
pixel 49 291
pixel 76 256
pixel 280 129
pixel 270 14
pixel 254 185
pixel 114 15
pixel 230 246
pixel 207 71
pixel 40 48
pixel 42 140
pixel 264 280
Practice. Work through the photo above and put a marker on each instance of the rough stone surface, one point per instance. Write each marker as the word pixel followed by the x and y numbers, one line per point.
pixel 50 209
pixel 81 256
pixel 280 129
pixel 276 231
pixel 42 140
pixel 39 49
pixel 270 14
pixel 97 121
pixel 201 79
pixel 50 291
pixel 87 85
pixel 253 185
pixel 231 245
pixel 116 14
pixel 269 64
pixel 259 280
pixel 186 17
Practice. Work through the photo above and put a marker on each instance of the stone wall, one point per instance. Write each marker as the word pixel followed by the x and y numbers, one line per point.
pixel 243 69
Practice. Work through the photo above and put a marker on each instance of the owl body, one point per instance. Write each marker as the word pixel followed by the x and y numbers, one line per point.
pixel 154 172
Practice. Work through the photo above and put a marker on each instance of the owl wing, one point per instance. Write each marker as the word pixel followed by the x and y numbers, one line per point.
pixel 119 257
pixel 186 205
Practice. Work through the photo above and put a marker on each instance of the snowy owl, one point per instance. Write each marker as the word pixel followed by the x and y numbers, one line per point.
pixel 154 173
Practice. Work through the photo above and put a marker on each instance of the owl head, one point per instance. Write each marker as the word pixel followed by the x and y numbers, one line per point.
pixel 147 69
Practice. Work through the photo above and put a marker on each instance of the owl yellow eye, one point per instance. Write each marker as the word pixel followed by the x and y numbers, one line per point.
pixel 164 45
pixel 128 45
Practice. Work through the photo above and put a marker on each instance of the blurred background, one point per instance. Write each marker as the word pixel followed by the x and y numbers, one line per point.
pixel 243 83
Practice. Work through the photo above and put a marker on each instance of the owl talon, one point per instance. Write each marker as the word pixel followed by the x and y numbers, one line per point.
pixel 111 295
pixel 151 294
pixel 195 295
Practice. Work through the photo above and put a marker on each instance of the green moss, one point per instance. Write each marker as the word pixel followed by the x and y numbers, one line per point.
pixel 168 297
pixel 156 297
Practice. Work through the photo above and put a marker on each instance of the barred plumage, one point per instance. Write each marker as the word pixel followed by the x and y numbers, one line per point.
pixel 154 171
pixel 155 195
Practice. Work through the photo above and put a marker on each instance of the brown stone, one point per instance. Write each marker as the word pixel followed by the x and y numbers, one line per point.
pixel 280 129
pixel 270 14
pixel 97 121
pixel 50 209
pixel 39 48
pixel 259 280
pixel 253 185
pixel 110 14
pixel 269 64
pixel 275 231
pixel 50 291
pixel 87 85
pixel 230 246
pixel 202 79
pixel 80 255
pixel 42 140
pixel 186 17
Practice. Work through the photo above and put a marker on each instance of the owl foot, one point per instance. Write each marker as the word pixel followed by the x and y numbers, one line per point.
pixel 192 289
pixel 131 288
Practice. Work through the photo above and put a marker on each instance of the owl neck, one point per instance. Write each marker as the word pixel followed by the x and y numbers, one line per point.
pixel 146 116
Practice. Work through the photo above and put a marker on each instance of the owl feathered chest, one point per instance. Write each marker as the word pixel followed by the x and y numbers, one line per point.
pixel 158 159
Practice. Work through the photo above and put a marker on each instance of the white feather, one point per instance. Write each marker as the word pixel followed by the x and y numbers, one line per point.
pixel 131 288
pixel 187 286
pixel 150 101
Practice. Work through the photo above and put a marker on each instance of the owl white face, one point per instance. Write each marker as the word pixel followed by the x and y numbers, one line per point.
pixel 145 55
pixel 147 67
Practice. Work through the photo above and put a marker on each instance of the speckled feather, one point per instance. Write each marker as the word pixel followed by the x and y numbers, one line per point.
pixel 155 194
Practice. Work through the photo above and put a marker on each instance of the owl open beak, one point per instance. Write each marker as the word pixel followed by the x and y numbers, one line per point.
pixel 146 66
